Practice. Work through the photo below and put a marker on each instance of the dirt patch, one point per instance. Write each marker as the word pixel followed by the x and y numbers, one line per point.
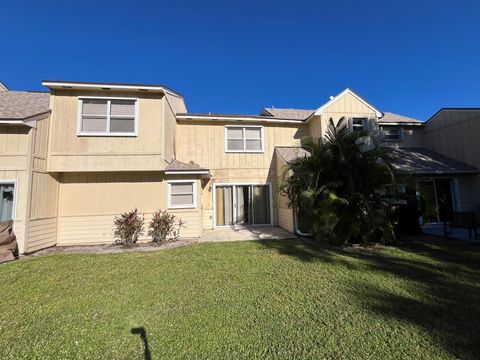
pixel 110 248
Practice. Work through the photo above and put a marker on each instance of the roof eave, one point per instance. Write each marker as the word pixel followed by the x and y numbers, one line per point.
pixel 65 85
pixel 237 118
pixel 438 172
pixel 381 123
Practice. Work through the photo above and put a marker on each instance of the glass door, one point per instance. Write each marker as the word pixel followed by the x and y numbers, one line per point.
pixel 242 205
pixel 435 199
pixel 6 201
pixel 224 205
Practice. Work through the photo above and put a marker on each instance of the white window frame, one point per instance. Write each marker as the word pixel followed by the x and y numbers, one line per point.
pixel 353 127
pixel 109 103
pixel 262 139
pixel 169 194
pixel 15 194
pixel 389 128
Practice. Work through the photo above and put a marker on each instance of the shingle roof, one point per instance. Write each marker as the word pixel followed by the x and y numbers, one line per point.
pixel 298 114
pixel 20 105
pixel 176 165
pixel 421 161
pixel 396 118
pixel 290 153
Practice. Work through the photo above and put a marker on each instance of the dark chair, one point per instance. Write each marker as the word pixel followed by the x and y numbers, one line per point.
pixel 461 220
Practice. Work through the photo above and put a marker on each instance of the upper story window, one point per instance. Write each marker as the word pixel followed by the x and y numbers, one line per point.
pixel 391 134
pixel 107 117
pixel 243 138
pixel 358 124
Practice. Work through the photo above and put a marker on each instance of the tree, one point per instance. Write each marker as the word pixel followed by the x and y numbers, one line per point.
pixel 342 184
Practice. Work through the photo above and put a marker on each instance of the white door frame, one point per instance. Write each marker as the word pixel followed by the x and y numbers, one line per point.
pixel 15 195
pixel 234 185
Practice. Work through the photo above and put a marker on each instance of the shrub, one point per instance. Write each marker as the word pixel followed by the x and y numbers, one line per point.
pixel 342 185
pixel 164 226
pixel 128 227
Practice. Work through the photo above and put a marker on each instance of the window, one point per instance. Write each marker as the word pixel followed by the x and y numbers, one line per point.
pixel 107 117
pixel 391 134
pixel 358 124
pixel 244 138
pixel 181 194
pixel 7 208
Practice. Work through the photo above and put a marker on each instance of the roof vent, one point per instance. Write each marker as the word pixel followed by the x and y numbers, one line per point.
pixel 331 97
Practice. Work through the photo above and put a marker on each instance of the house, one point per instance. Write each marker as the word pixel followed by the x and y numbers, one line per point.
pixel 73 158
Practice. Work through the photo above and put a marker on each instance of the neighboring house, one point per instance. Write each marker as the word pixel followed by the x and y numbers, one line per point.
pixel 73 159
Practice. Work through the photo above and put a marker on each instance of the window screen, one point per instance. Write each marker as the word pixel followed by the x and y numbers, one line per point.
pixel 107 116
pixel 244 139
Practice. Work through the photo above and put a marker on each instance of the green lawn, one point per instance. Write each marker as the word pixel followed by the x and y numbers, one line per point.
pixel 277 299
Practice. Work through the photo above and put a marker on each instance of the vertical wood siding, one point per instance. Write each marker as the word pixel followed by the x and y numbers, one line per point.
pixel 69 152
pixel 90 201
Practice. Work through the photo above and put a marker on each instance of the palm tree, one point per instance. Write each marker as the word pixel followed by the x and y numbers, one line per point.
pixel 342 185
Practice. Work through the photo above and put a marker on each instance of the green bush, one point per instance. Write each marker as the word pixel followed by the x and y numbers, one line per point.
pixel 164 226
pixel 342 185
pixel 128 227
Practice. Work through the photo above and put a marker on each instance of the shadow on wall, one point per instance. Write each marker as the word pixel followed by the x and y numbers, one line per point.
pixel 443 279
pixel 143 335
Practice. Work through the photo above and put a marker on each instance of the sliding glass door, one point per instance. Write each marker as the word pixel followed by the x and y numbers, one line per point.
pixel 242 205
pixel 435 199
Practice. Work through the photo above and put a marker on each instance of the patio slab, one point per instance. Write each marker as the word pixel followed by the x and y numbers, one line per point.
pixel 250 233
pixel 458 234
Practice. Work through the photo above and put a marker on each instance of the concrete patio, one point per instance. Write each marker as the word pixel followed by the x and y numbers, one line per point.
pixel 458 234
pixel 250 233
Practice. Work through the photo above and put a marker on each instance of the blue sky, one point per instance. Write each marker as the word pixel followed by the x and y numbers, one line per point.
pixel 409 57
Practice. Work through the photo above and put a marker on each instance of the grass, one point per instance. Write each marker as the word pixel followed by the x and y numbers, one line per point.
pixel 276 299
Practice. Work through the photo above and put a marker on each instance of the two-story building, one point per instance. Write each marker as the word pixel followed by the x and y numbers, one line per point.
pixel 73 158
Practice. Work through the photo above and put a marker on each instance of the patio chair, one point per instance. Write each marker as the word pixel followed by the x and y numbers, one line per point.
pixel 461 220
pixel 8 242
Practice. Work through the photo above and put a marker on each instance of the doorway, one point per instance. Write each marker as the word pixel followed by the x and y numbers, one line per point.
pixel 435 199
pixel 7 201
pixel 242 205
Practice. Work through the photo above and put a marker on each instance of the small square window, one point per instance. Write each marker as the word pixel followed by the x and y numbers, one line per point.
pixel 358 124
pixel 181 194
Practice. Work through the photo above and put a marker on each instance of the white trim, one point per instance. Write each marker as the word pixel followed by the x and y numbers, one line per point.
pixel 15 196
pixel 169 193
pixel 384 123
pixel 179 172
pixel 108 115
pixel 12 122
pixel 241 119
pixel 262 139
pixel 234 185
pixel 53 84
pixel 319 111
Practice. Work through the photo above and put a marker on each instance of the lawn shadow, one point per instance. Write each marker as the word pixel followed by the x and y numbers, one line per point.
pixel 143 335
pixel 441 293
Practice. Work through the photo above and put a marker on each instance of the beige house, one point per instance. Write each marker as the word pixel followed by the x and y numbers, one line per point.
pixel 73 158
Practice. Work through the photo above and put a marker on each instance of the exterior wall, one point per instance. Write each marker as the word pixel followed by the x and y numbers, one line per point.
pixel 285 213
pixel 90 201
pixel 455 134
pixel 346 106
pixel 43 200
pixel 204 143
pixel 15 143
pixel 71 153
